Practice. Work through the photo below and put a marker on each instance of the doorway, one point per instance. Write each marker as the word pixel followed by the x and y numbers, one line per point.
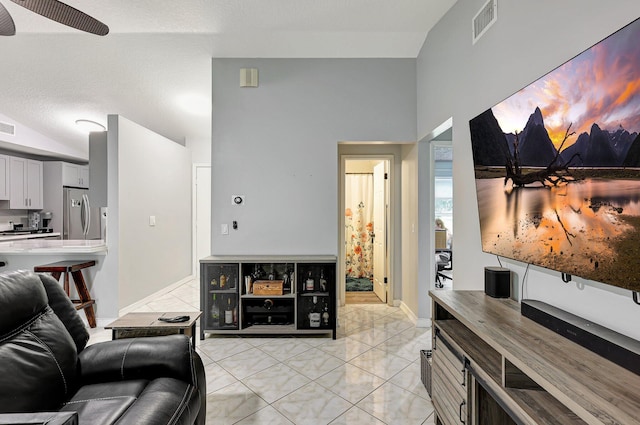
pixel 366 218
pixel 441 188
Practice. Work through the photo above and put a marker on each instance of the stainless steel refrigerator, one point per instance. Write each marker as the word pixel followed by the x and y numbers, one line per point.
pixel 80 220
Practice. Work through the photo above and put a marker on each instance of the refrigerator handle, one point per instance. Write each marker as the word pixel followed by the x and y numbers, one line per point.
pixel 66 214
pixel 88 212
pixel 82 215
pixel 86 217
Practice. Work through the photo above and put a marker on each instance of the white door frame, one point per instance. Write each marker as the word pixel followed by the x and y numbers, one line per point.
pixel 390 227
pixel 194 204
pixel 427 217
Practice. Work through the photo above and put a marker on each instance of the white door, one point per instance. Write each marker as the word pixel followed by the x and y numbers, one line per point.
pixel 203 214
pixel 380 232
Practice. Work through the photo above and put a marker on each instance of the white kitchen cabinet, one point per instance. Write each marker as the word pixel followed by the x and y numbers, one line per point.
pixel 26 184
pixel 5 179
pixel 75 175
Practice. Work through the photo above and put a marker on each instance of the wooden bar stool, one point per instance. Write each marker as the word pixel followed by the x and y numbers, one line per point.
pixel 75 268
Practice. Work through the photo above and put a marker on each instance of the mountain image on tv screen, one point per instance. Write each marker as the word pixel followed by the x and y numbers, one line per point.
pixel 557 166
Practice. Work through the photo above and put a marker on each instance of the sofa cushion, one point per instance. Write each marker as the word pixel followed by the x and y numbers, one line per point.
pixel 36 351
pixel 139 402
pixel 22 297
pixel 104 403
pixel 164 401
pixel 138 358
pixel 65 310
pixel 38 362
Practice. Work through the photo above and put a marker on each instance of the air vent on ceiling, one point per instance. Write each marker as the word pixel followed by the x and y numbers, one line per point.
pixel 483 20
pixel 6 128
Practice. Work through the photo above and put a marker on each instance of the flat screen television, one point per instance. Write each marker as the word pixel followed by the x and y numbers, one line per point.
pixel 557 166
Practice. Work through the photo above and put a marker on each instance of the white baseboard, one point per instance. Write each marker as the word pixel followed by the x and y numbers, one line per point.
pixel 419 322
pixel 408 312
pixel 147 299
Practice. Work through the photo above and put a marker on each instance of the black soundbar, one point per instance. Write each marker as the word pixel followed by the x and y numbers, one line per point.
pixel 610 344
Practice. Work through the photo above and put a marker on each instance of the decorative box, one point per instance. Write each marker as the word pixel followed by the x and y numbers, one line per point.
pixel 268 287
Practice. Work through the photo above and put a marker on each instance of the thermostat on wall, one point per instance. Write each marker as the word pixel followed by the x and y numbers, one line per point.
pixel 237 199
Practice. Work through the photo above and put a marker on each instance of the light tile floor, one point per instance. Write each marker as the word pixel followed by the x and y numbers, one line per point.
pixel 369 375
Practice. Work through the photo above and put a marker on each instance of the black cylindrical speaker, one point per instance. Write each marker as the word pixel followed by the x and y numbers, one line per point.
pixel 497 282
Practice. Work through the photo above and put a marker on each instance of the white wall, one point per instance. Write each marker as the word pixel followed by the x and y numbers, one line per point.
pixel 278 145
pixel 200 150
pixel 151 177
pixel 410 255
pixel 460 80
pixel 30 141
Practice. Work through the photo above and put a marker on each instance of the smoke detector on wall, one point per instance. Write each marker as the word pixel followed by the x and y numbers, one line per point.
pixel 482 21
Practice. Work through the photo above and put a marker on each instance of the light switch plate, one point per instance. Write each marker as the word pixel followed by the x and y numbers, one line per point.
pixel 224 229
pixel 152 220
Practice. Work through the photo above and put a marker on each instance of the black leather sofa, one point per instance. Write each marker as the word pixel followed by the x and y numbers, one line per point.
pixel 49 375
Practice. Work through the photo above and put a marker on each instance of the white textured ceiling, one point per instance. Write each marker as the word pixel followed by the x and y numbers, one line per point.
pixel 159 51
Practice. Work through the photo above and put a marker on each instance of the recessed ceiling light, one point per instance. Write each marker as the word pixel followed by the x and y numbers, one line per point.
pixel 89 126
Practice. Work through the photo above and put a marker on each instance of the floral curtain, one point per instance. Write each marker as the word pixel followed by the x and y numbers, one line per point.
pixel 359 225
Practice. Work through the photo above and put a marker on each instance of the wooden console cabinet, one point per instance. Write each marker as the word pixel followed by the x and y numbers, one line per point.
pixel 492 366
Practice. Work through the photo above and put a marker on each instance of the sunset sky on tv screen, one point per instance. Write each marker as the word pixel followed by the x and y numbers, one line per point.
pixel 601 85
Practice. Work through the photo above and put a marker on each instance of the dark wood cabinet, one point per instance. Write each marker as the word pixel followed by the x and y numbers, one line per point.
pixel 297 296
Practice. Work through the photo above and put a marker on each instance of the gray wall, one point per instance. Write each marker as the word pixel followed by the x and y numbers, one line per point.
pixel 278 145
pixel 460 80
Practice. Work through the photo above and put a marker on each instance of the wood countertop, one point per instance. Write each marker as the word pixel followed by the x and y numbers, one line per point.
pixel 596 389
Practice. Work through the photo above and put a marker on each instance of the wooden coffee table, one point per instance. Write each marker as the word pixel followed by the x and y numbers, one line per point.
pixel 133 325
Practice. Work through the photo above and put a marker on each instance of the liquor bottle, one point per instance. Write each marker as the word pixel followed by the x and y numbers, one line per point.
pixel 292 279
pixel 323 281
pixel 310 284
pixel 214 283
pixel 228 313
pixel 258 272
pixel 314 314
pixel 223 279
pixel 286 283
pixel 325 314
pixel 272 273
pixel 215 311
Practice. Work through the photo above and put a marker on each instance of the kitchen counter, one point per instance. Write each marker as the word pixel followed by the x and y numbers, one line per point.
pixel 52 246
pixel 6 238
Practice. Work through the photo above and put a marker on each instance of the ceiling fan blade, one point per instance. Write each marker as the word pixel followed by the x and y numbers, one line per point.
pixel 6 23
pixel 65 14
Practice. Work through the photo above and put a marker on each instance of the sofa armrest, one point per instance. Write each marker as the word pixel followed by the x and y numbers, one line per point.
pixel 39 418
pixel 138 358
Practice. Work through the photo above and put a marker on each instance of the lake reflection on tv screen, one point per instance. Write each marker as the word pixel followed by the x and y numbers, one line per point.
pixel 589 228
